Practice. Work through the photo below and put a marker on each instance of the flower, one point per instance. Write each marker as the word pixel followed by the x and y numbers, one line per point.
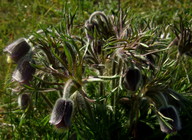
pixel 61 114
pixel 17 49
pixel 174 124
pixel 24 101
pixel 24 71
pixel 132 79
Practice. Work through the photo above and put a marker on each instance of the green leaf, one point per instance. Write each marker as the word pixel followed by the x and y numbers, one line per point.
pixel 144 45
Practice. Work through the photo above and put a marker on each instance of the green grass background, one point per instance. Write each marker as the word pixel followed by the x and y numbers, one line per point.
pixel 19 18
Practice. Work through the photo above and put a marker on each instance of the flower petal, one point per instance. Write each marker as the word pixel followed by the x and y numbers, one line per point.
pixel 132 79
pixel 68 112
pixel 18 49
pixel 24 100
pixel 58 112
pixel 175 124
pixel 24 71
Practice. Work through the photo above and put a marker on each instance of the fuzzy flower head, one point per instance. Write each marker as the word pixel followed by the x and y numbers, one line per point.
pixel 24 71
pixel 61 114
pixel 24 101
pixel 17 49
pixel 132 79
pixel 173 124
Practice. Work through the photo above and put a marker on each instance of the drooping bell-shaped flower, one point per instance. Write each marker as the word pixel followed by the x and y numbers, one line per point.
pixel 173 124
pixel 132 79
pixel 17 49
pixel 61 114
pixel 24 101
pixel 24 71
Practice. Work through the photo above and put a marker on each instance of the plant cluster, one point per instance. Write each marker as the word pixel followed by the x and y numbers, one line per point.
pixel 113 83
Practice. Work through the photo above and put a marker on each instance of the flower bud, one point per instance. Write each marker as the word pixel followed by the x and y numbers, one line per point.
pixel 132 79
pixel 17 49
pixel 174 123
pixel 61 114
pixel 24 71
pixel 24 101
pixel 78 100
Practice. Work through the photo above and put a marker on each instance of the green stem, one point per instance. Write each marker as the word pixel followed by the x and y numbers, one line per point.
pixel 113 82
pixel 49 103
pixel 101 84
pixel 67 88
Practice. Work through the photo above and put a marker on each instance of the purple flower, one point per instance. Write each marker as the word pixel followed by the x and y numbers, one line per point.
pixel 24 71
pixel 61 114
pixel 17 49
pixel 172 125
pixel 24 101
pixel 132 79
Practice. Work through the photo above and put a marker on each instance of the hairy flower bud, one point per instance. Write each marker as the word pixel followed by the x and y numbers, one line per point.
pixel 132 79
pixel 61 114
pixel 24 101
pixel 17 49
pixel 174 123
pixel 79 100
pixel 24 71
